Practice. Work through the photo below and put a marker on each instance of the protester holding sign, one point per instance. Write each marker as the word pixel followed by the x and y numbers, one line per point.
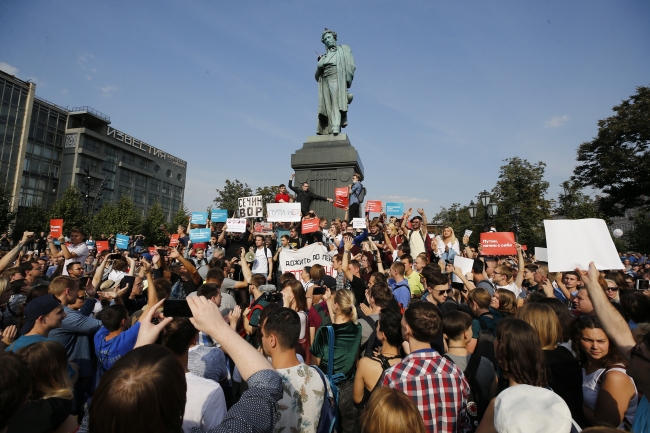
pixel 305 197
pixel 354 190
pixel 76 253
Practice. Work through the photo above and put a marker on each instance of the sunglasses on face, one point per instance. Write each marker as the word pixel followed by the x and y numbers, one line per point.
pixel 443 292
pixel 613 289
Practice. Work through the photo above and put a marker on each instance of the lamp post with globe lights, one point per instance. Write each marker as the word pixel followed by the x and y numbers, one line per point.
pixel 490 209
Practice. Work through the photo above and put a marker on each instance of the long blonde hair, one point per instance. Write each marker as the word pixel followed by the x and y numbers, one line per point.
pixel 345 299
pixel 4 283
pixel 390 410
pixel 451 239
pixel 48 366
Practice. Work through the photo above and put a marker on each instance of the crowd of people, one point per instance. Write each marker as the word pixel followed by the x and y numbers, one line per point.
pixel 212 338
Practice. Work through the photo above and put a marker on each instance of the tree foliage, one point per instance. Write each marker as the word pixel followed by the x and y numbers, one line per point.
pixel 180 218
pixel 227 198
pixel 638 239
pixel 31 218
pixel 117 217
pixel 457 217
pixel 522 184
pixel 70 209
pixel 617 160
pixel 151 225
pixel 268 193
pixel 6 216
pixel 572 203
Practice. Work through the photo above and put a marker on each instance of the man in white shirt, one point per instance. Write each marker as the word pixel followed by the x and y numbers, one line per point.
pixel 418 234
pixel 502 279
pixel 206 405
pixel 78 252
pixel 300 406
pixel 263 263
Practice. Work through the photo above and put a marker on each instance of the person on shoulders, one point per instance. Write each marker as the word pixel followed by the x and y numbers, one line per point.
pixel 77 252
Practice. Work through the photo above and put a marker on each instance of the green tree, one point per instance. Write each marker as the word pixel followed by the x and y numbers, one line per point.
pixel 6 215
pixel 227 198
pixel 151 225
pixel 181 217
pixel 117 217
pixel 572 203
pixel 617 160
pixel 638 239
pixel 31 218
pixel 521 184
pixel 70 209
pixel 457 217
pixel 268 193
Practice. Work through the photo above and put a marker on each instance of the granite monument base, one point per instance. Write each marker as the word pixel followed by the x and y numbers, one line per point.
pixel 326 162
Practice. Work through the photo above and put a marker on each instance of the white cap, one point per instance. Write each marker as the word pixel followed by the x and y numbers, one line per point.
pixel 531 409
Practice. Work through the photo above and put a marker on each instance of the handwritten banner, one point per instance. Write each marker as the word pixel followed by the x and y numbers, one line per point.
pixel 251 207
pixel 498 243
pixel 283 212
pixel 199 218
pixel 219 215
pixel 295 260
pixel 236 225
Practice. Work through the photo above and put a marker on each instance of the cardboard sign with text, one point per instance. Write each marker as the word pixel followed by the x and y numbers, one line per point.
pixel 359 223
pixel 122 242
pixel 199 218
pixel 310 226
pixel 236 225
pixel 283 212
pixel 341 198
pixel 373 206
pixel 56 228
pixel 219 215
pixel 173 241
pixel 263 228
pixel 101 246
pixel 394 209
pixel 498 244
pixel 251 207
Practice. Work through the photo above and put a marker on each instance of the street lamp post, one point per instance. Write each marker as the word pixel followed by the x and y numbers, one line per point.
pixel 515 212
pixel 489 209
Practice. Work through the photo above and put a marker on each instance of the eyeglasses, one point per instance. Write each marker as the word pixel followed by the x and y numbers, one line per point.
pixel 443 292
pixel 635 352
pixel 613 289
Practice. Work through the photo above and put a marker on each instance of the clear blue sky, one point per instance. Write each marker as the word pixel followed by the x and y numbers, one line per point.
pixel 444 91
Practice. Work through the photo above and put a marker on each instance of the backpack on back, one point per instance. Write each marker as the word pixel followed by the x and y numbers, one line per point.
pixel 477 403
pixel 329 417
pixel 369 346
pixel 362 194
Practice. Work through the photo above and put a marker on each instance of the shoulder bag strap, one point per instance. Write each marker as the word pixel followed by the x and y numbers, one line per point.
pixel 320 373
pixel 330 352
pixel 472 365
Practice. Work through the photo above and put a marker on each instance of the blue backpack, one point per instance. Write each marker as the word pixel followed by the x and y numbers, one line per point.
pixel 329 414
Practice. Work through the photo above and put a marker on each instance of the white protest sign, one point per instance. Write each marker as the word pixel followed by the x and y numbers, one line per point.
pixel 283 212
pixel 541 254
pixel 294 261
pixel 574 243
pixel 251 207
pixel 236 225
pixel 359 223
pixel 468 233
pixel 464 264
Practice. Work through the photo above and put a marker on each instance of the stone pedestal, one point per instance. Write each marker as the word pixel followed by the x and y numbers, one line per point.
pixel 326 162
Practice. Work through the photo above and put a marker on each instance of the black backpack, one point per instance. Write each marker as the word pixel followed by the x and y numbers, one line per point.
pixel 362 194
pixel 485 342
pixel 477 403
pixel 369 346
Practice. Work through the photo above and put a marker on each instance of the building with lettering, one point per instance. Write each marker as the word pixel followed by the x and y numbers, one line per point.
pixel 44 148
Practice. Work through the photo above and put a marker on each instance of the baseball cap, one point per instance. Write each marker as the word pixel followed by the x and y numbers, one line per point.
pixel 147 256
pixel 531 409
pixel 36 308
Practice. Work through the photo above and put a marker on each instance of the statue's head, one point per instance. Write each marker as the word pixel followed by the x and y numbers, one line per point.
pixel 328 38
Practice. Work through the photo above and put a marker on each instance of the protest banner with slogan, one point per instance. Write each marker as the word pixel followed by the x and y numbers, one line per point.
pixel 341 198
pixel 464 264
pixel 394 209
pixel 122 242
pixel 200 235
pixel 264 229
pixel 295 260
pixel 283 212
pixel 173 241
pixel 199 218
pixel 219 215
pixel 101 246
pixel 575 243
pixel 498 243
pixel 251 207
pixel 56 228
pixel 359 223
pixel 310 225
pixel 236 225
pixel 373 206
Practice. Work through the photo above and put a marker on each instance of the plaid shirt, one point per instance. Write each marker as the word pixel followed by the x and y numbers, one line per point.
pixel 437 387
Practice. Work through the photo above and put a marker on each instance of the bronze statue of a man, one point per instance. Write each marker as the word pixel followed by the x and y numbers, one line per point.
pixel 334 74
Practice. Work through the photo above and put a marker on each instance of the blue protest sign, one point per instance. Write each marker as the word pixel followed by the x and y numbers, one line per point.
pixel 122 242
pixel 394 209
pixel 199 218
pixel 200 235
pixel 219 215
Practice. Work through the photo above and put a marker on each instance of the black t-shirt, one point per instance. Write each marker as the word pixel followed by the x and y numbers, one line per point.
pixel 295 243
pixel 233 245
pixel 358 286
pixel 565 378
pixel 41 416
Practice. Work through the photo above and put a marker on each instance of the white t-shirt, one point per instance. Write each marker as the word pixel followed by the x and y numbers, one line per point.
pixel 206 405
pixel 591 387
pixel 82 254
pixel 416 243
pixel 452 246
pixel 261 264
pixel 302 400
pixel 512 287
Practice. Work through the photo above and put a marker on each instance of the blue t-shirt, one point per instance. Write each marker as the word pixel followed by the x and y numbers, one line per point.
pixel 108 352
pixel 24 341
pixel 401 291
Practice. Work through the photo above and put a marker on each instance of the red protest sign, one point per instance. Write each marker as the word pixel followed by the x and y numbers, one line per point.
pixel 173 241
pixel 524 248
pixel 498 243
pixel 198 245
pixel 101 246
pixel 310 226
pixel 263 228
pixel 56 228
pixel 341 198
pixel 373 206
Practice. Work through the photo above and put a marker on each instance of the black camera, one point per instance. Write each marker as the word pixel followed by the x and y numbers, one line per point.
pixel 270 293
